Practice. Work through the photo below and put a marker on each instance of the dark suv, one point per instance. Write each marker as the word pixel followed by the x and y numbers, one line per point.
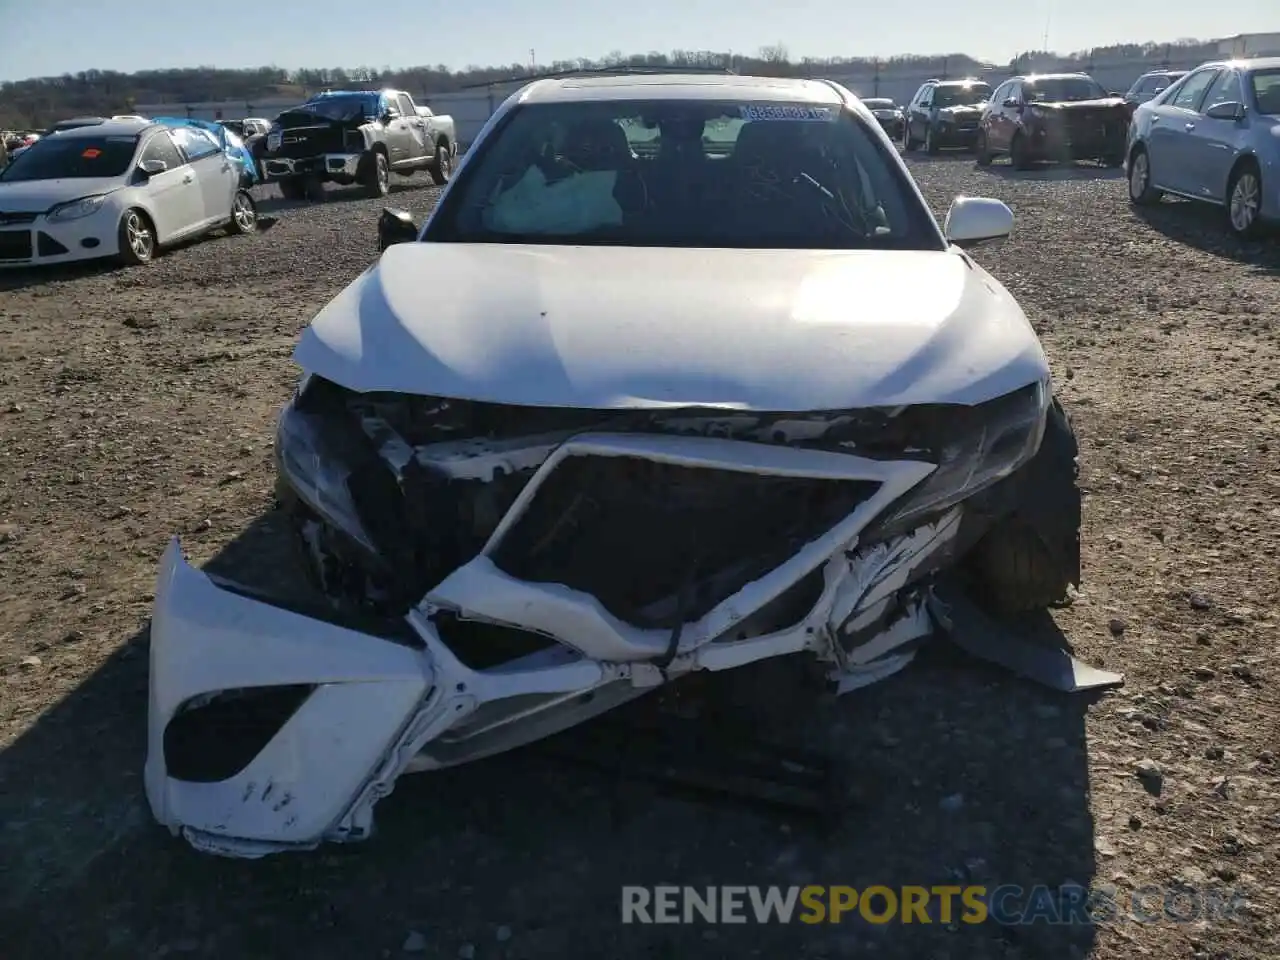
pixel 944 113
pixel 1150 85
pixel 1053 116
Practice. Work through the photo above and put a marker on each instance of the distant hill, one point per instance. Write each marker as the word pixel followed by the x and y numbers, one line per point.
pixel 40 101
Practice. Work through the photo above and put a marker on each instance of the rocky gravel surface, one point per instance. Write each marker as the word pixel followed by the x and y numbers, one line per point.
pixel 135 405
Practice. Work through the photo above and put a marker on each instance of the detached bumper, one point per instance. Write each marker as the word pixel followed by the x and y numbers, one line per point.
pixel 337 165
pixel 375 703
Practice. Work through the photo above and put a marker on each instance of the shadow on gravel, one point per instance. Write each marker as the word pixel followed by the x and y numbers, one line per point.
pixel 1053 173
pixel 22 278
pixel 960 775
pixel 272 202
pixel 1203 226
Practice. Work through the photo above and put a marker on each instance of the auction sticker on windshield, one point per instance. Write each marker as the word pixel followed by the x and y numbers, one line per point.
pixel 755 112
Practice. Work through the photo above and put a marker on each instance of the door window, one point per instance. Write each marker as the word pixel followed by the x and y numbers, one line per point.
pixel 160 147
pixel 195 143
pixel 1190 93
pixel 1226 89
pixel 405 105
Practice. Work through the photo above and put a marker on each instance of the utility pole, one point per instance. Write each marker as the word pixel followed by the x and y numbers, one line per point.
pixel 533 62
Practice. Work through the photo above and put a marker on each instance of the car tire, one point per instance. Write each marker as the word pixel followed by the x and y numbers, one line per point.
pixel 442 168
pixel 908 144
pixel 1019 155
pixel 292 188
pixel 376 176
pixel 1030 558
pixel 1244 201
pixel 1141 193
pixel 982 149
pixel 930 141
pixel 136 236
pixel 244 214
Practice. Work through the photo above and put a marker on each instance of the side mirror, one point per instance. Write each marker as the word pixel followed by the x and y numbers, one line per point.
pixel 1011 102
pixel 1230 110
pixel 974 220
pixel 1113 93
pixel 395 226
pixel 152 167
pixel 386 118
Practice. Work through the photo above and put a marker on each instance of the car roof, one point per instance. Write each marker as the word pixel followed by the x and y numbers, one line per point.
pixel 1249 65
pixel 969 82
pixel 107 128
pixel 1034 77
pixel 677 86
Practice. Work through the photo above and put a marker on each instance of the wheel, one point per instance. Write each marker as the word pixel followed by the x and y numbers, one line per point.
pixel 930 141
pixel 1141 192
pixel 1244 201
pixel 137 238
pixel 982 149
pixel 376 176
pixel 292 188
pixel 1019 155
pixel 1028 559
pixel 908 143
pixel 244 213
pixel 442 169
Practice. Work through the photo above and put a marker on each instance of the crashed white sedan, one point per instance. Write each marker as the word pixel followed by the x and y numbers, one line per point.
pixel 680 374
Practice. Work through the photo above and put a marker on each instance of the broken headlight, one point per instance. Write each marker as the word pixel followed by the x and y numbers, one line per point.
pixel 314 467
pixel 998 437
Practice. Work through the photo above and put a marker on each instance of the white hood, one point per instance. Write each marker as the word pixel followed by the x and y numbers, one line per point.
pixel 608 327
pixel 37 196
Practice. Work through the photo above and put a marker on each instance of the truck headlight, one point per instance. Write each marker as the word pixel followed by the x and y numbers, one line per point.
pixel 1007 434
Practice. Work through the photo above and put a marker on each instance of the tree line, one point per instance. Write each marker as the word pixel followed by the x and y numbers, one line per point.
pixel 39 101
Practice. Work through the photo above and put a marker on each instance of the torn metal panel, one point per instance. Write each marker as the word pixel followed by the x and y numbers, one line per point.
pixel 985 638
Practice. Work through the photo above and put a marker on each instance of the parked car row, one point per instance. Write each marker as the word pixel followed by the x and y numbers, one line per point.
pixel 120 188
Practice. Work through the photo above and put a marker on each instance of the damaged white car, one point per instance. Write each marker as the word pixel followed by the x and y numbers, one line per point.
pixel 680 374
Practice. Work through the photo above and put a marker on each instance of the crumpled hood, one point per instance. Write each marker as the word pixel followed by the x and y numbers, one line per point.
pixel 613 327
pixel 37 196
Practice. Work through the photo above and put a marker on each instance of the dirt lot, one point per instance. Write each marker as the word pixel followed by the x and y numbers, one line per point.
pixel 136 405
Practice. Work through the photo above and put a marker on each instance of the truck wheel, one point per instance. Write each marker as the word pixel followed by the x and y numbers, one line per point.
pixel 442 169
pixel 376 176
pixel 1028 559
pixel 292 188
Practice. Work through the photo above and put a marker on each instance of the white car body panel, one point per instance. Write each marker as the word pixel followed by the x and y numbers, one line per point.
pixel 181 202
pixel 590 328
pixel 743 329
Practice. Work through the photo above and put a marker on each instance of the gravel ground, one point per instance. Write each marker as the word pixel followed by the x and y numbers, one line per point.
pixel 138 404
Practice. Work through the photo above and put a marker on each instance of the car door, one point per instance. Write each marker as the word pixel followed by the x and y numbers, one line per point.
pixel 991 115
pixel 923 112
pixel 1214 143
pixel 1006 120
pixel 1170 149
pixel 399 141
pixel 174 195
pixel 217 175
pixel 416 128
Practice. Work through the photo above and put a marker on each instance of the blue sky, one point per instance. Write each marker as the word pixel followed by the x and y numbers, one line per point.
pixel 49 37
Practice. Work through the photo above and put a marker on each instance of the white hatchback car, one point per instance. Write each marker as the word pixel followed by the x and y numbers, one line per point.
pixel 117 188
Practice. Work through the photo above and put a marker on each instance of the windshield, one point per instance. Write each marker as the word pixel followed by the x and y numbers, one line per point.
pixel 57 157
pixel 1266 91
pixel 1063 90
pixel 685 174
pixel 355 106
pixel 973 93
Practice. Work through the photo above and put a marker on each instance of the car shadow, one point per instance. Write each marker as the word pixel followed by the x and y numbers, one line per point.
pixel 14 279
pixel 958 773
pixel 1203 226
pixel 269 200
pixel 1054 172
